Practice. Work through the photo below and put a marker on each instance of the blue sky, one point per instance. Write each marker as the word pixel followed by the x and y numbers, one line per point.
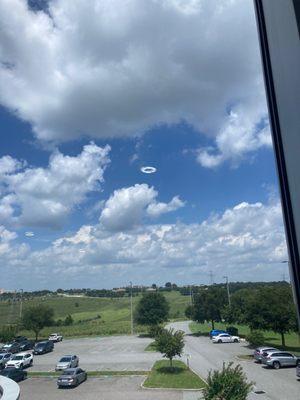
pixel 80 117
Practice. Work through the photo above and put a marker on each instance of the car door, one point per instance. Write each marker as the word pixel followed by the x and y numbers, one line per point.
pixel 225 338
pixel 27 359
pixel 79 375
pixel 289 359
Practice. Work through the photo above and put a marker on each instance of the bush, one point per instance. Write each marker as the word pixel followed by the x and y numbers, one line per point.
pixel 255 338
pixel 69 320
pixel 228 384
pixel 7 333
pixel 155 331
pixel 232 330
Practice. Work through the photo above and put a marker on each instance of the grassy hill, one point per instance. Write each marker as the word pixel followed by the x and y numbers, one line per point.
pixel 92 316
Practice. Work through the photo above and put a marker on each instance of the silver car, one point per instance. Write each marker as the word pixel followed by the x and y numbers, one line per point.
pixel 67 362
pixel 72 377
pixel 278 359
pixel 4 357
pixel 258 353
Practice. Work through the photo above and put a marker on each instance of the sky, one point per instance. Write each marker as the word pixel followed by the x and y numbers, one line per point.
pixel 93 92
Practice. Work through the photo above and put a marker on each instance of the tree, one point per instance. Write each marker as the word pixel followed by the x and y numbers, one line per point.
pixel 152 309
pixel 7 333
pixel 69 320
pixel 208 305
pixel 228 384
pixel 170 344
pixel 35 318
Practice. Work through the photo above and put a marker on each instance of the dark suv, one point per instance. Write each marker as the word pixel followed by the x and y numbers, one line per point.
pixel 11 348
pixel 26 345
pixel 43 347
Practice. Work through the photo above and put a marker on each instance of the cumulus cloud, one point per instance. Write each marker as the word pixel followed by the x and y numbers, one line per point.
pixel 126 207
pixel 45 196
pixel 245 242
pixel 156 209
pixel 239 136
pixel 113 68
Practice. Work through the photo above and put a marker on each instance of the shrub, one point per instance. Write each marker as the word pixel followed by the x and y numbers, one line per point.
pixel 232 330
pixel 155 331
pixel 69 320
pixel 228 384
pixel 255 338
pixel 7 333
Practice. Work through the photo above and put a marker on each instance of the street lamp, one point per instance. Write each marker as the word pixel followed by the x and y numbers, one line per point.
pixel 21 303
pixel 285 262
pixel 131 309
pixel 228 291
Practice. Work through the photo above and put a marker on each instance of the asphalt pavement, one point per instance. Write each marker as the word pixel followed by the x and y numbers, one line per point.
pixel 114 353
pixel 279 384
pixel 104 388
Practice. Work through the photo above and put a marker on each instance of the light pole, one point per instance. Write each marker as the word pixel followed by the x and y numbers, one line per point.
pixel 21 303
pixel 131 309
pixel 228 291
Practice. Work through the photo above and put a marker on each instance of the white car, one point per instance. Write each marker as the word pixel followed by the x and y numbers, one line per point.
pixel 55 337
pixel 225 338
pixel 69 361
pixel 20 360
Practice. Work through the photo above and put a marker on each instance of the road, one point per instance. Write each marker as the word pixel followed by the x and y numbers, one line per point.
pixel 277 385
pixel 101 353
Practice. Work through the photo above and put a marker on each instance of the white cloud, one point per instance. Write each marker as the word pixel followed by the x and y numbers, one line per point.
pixel 126 207
pixel 45 196
pixel 246 242
pixel 113 69
pixel 156 209
pixel 239 136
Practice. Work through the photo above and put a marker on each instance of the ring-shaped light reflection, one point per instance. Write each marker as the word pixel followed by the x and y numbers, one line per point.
pixel 148 170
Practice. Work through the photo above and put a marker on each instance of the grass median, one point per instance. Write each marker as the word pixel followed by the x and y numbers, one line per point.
pixel 177 377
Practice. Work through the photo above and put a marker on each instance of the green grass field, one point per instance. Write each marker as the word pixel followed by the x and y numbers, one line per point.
pixel 179 377
pixel 114 314
pixel 292 339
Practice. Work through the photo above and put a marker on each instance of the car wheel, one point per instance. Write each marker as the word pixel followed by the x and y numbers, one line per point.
pixel 219 341
pixel 236 341
pixel 31 362
pixel 276 364
pixel 21 366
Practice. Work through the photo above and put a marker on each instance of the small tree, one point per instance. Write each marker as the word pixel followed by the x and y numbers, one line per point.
pixel 152 309
pixel 228 384
pixel 170 344
pixel 255 338
pixel 7 333
pixel 37 317
pixel 69 320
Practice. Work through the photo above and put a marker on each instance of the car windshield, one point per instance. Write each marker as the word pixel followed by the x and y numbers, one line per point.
pixel 6 346
pixel 6 372
pixel 40 345
pixel 69 373
pixel 17 358
pixel 65 359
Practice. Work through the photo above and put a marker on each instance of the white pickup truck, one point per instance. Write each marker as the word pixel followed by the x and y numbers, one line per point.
pixel 55 337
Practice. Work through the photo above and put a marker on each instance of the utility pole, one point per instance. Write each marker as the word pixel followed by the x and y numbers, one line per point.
pixel 211 276
pixel 191 295
pixel 21 303
pixel 131 309
pixel 228 291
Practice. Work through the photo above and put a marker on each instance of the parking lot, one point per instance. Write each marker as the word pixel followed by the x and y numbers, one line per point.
pixel 106 388
pixel 116 353
pixel 277 384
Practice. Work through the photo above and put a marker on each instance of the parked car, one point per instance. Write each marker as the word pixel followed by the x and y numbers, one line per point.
pixel 278 359
pixel 67 362
pixel 71 377
pixel 216 332
pixel 43 347
pixel 15 374
pixel 11 348
pixel 19 339
pixel 258 353
pixel 55 337
pixel 4 357
pixel 225 338
pixel 20 360
pixel 26 345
